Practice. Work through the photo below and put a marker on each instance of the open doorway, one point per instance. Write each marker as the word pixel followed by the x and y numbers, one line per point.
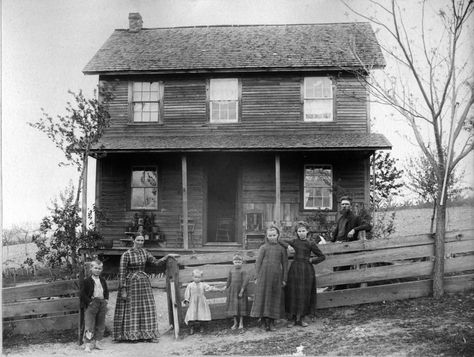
pixel 221 200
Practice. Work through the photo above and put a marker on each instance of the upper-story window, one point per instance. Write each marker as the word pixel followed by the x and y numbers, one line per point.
pixel 318 99
pixel 317 187
pixel 224 100
pixel 146 101
pixel 144 188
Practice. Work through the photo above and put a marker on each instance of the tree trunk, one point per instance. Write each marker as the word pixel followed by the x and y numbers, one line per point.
pixel 438 269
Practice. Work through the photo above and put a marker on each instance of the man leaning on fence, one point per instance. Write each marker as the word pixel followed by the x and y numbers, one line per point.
pixel 349 224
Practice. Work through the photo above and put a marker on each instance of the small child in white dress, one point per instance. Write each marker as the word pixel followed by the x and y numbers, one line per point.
pixel 198 309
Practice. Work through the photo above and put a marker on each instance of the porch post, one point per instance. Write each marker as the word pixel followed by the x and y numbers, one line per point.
pixel 184 173
pixel 277 189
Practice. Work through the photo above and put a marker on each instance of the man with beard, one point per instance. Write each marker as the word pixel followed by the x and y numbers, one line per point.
pixel 348 225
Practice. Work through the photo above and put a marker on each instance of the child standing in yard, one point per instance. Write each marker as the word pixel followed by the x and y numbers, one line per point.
pixel 271 270
pixel 300 294
pixel 94 296
pixel 198 309
pixel 237 299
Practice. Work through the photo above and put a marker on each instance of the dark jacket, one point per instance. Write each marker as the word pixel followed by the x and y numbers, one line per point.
pixel 88 290
pixel 353 222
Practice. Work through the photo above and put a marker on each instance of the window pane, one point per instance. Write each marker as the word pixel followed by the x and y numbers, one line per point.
pixel 150 198
pixel 146 116
pixel 317 87
pixel 146 86
pixel 137 116
pixel 318 110
pixel 154 116
pixel 224 89
pixel 224 111
pixel 144 178
pixel 138 197
pixel 317 187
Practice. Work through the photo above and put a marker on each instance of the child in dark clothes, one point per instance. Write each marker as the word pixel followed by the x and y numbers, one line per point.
pixel 94 298
pixel 237 299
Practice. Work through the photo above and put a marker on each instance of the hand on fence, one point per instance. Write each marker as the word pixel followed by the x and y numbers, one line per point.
pixel 123 294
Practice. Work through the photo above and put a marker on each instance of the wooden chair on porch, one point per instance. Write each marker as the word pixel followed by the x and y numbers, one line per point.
pixel 190 231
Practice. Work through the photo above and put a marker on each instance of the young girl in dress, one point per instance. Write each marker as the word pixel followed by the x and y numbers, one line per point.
pixel 237 299
pixel 198 309
pixel 300 294
pixel 271 270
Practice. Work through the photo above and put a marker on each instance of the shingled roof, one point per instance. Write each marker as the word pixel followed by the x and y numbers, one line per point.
pixel 244 142
pixel 238 48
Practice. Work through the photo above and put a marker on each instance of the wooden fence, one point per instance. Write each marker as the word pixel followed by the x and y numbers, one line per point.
pixel 41 307
pixel 389 269
pixel 374 270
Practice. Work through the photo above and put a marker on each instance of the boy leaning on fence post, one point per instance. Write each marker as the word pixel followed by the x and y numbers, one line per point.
pixel 94 298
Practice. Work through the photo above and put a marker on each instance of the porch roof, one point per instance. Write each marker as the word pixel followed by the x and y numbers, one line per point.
pixel 244 142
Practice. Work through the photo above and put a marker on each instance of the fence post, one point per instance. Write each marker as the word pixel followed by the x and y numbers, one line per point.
pixel 82 267
pixel 173 297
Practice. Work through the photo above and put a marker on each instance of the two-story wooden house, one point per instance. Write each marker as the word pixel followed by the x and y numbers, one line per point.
pixel 231 128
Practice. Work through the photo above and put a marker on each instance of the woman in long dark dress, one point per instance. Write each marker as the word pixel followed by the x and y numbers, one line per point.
pixel 135 312
pixel 300 292
pixel 271 268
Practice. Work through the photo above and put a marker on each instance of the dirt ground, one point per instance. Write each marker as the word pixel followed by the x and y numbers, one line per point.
pixel 416 327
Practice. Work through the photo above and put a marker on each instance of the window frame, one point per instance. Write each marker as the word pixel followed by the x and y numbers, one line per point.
pixel 332 99
pixel 238 109
pixel 303 188
pixel 131 187
pixel 131 103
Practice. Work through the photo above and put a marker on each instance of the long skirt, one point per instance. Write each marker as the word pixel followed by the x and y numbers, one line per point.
pixel 269 295
pixel 300 291
pixel 135 318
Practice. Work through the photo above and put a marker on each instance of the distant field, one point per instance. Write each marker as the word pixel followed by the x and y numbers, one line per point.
pixel 14 255
pixel 418 220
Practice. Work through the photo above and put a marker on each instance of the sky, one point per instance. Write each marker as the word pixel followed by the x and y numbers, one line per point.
pixel 47 43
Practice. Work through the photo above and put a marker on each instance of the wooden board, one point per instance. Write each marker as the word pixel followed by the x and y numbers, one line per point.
pixel 38 307
pixel 391 292
pixel 31 326
pixel 212 272
pixel 56 288
pixel 390 272
pixel 215 258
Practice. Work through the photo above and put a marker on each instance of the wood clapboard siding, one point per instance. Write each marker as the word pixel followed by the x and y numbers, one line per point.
pixel 115 195
pixel 271 100
pixel 185 102
pixel 266 101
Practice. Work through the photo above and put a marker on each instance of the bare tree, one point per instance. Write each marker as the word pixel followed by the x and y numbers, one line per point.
pixel 430 84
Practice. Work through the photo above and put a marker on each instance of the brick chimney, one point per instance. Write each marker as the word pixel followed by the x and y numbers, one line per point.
pixel 135 22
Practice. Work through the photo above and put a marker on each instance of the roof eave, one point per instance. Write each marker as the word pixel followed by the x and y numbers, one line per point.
pixel 275 149
pixel 231 70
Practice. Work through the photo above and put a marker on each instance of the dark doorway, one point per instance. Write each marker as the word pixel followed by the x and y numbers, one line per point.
pixel 221 199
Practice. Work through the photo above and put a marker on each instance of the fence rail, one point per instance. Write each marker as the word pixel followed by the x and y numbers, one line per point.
pixel 375 270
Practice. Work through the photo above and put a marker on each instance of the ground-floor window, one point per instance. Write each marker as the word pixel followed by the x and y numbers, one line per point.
pixel 317 187
pixel 144 188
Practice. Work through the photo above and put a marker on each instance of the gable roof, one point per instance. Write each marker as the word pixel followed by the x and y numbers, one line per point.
pixel 238 48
